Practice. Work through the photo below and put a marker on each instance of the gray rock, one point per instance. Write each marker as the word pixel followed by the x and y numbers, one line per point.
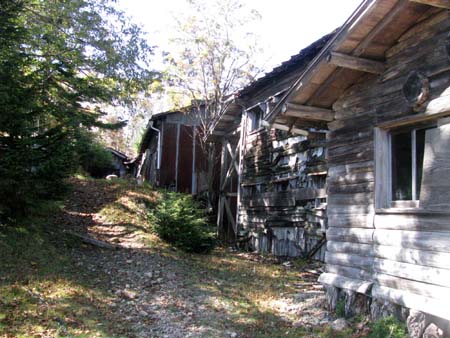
pixel 381 309
pixel 416 323
pixel 355 303
pixel 332 294
pixel 298 324
pixel 404 313
pixel 129 294
pixel 433 331
pixel 339 324
pixel 142 313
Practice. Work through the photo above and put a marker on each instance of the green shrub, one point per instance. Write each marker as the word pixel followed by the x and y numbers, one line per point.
pixel 93 156
pixel 340 308
pixel 180 220
pixel 388 327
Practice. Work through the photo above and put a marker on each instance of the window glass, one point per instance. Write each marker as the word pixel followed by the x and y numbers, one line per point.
pixel 255 120
pixel 420 149
pixel 401 166
pixel 408 148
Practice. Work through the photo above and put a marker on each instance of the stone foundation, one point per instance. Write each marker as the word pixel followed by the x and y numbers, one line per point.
pixel 419 324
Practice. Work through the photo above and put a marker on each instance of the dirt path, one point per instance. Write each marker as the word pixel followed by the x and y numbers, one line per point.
pixel 155 291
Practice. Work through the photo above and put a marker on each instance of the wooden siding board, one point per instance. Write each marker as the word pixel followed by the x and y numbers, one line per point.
pixel 185 159
pixel 168 159
pixel 274 159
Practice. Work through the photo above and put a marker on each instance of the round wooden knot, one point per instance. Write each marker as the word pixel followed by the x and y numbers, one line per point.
pixel 416 88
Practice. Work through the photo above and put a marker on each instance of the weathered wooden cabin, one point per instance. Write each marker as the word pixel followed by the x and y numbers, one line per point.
pixel 272 195
pixel 170 154
pixel 384 77
pixel 380 86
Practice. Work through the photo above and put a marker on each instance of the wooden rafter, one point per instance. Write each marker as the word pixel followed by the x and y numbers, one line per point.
pixel 434 3
pixel 379 27
pixel 308 112
pixel 364 44
pixel 299 131
pixel 228 118
pixel 280 126
pixel 356 63
pixel 292 129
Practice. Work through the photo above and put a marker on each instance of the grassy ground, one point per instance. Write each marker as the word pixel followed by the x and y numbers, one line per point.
pixel 46 292
pixel 43 292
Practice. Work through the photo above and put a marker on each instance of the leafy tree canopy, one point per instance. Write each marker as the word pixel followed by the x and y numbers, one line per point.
pixel 60 61
pixel 213 53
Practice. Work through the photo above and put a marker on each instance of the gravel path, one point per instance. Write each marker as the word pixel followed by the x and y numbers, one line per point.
pixel 159 292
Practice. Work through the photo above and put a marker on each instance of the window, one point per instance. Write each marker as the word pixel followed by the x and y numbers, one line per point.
pixel 407 151
pixel 255 117
pixel 400 154
pixel 254 120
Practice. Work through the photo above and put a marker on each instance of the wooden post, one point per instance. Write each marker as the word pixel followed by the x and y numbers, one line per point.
pixel 240 167
pixel 194 150
pixel 220 210
pixel 177 156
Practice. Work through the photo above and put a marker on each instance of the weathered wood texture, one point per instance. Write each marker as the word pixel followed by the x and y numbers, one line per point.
pixel 283 192
pixel 405 254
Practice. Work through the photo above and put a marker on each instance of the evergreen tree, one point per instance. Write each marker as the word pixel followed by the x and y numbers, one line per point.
pixel 60 61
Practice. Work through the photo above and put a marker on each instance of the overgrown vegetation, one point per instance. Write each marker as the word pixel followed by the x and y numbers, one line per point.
pixel 60 63
pixel 93 158
pixel 388 327
pixel 51 284
pixel 340 308
pixel 181 221
pixel 42 290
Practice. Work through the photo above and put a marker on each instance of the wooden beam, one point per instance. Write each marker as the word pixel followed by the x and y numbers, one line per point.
pixel 230 216
pixel 280 126
pixel 356 63
pixel 233 154
pixel 364 44
pixel 233 165
pixel 233 133
pixel 227 118
pixel 308 112
pixel 299 131
pixel 346 283
pixel 436 307
pixel 218 133
pixel 434 3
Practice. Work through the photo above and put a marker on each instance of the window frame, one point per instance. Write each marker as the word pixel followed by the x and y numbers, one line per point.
pixel 255 117
pixel 383 162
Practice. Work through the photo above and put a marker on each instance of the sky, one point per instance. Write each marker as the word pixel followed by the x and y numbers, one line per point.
pixel 286 26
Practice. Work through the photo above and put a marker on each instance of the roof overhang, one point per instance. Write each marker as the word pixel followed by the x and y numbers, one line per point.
pixel 228 121
pixel 357 51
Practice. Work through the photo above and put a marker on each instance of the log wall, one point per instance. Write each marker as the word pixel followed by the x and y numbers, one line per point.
pixel 403 253
pixel 283 204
